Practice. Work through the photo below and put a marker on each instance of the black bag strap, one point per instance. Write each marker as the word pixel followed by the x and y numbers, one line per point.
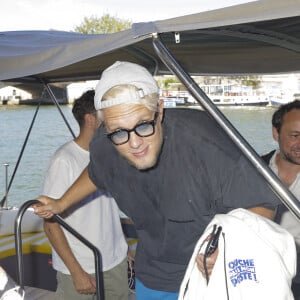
pixel 267 157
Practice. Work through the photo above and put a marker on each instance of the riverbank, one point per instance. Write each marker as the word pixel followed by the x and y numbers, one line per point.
pixel 36 101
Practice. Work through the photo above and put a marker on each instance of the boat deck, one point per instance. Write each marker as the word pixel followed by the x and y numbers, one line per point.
pixel 38 294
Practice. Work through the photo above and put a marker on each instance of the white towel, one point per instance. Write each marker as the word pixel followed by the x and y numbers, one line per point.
pixel 256 260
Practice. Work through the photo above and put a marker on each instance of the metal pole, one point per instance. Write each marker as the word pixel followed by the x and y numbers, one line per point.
pixel 6 185
pixel 20 155
pixel 277 186
pixel 50 92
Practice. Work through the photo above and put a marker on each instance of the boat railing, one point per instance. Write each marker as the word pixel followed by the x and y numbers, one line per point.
pixel 58 219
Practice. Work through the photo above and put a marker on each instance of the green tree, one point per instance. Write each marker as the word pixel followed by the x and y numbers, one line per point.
pixel 168 82
pixel 248 80
pixel 104 24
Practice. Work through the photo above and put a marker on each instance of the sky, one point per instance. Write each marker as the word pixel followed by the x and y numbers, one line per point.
pixel 67 14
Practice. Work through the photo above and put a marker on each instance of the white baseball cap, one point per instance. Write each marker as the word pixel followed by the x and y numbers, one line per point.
pixel 120 73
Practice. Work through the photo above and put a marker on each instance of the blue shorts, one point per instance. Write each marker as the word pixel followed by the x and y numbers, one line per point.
pixel 144 293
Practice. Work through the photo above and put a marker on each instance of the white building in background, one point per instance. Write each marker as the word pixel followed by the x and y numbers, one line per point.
pixel 12 95
pixel 75 90
pixel 284 86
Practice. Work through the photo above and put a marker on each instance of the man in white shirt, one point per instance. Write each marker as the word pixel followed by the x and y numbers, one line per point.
pixel 96 218
pixel 285 162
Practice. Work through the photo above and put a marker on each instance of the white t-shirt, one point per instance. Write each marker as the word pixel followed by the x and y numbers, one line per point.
pixel 96 217
pixel 288 220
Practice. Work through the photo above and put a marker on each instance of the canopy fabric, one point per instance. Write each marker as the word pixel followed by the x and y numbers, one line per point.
pixel 252 38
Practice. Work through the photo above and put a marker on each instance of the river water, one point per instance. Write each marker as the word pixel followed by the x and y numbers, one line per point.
pixel 49 131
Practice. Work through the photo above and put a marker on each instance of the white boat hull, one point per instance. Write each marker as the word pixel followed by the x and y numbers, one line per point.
pixel 219 101
pixel 241 101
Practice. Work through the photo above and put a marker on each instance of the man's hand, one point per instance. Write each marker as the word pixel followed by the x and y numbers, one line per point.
pixel 47 208
pixel 84 283
pixel 210 262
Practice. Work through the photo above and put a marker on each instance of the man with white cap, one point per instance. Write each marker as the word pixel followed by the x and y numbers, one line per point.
pixel 170 171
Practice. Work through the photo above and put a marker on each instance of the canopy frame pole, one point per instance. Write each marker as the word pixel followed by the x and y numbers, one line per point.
pixel 51 94
pixel 4 201
pixel 277 186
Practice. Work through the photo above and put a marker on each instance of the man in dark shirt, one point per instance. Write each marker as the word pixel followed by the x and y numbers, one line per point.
pixel 170 171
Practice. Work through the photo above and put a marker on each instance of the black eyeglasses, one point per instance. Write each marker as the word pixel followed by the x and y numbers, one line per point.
pixel 144 129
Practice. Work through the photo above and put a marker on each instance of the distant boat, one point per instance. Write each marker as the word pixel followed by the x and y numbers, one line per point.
pixel 280 100
pixel 221 95
pixel 241 100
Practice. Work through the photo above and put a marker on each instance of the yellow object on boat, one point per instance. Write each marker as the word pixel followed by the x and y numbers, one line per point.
pixel 35 242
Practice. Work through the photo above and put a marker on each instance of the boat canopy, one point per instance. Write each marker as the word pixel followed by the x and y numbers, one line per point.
pixel 259 37
pixel 252 38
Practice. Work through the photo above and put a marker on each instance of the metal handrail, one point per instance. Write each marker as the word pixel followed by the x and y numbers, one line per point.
pixel 58 219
